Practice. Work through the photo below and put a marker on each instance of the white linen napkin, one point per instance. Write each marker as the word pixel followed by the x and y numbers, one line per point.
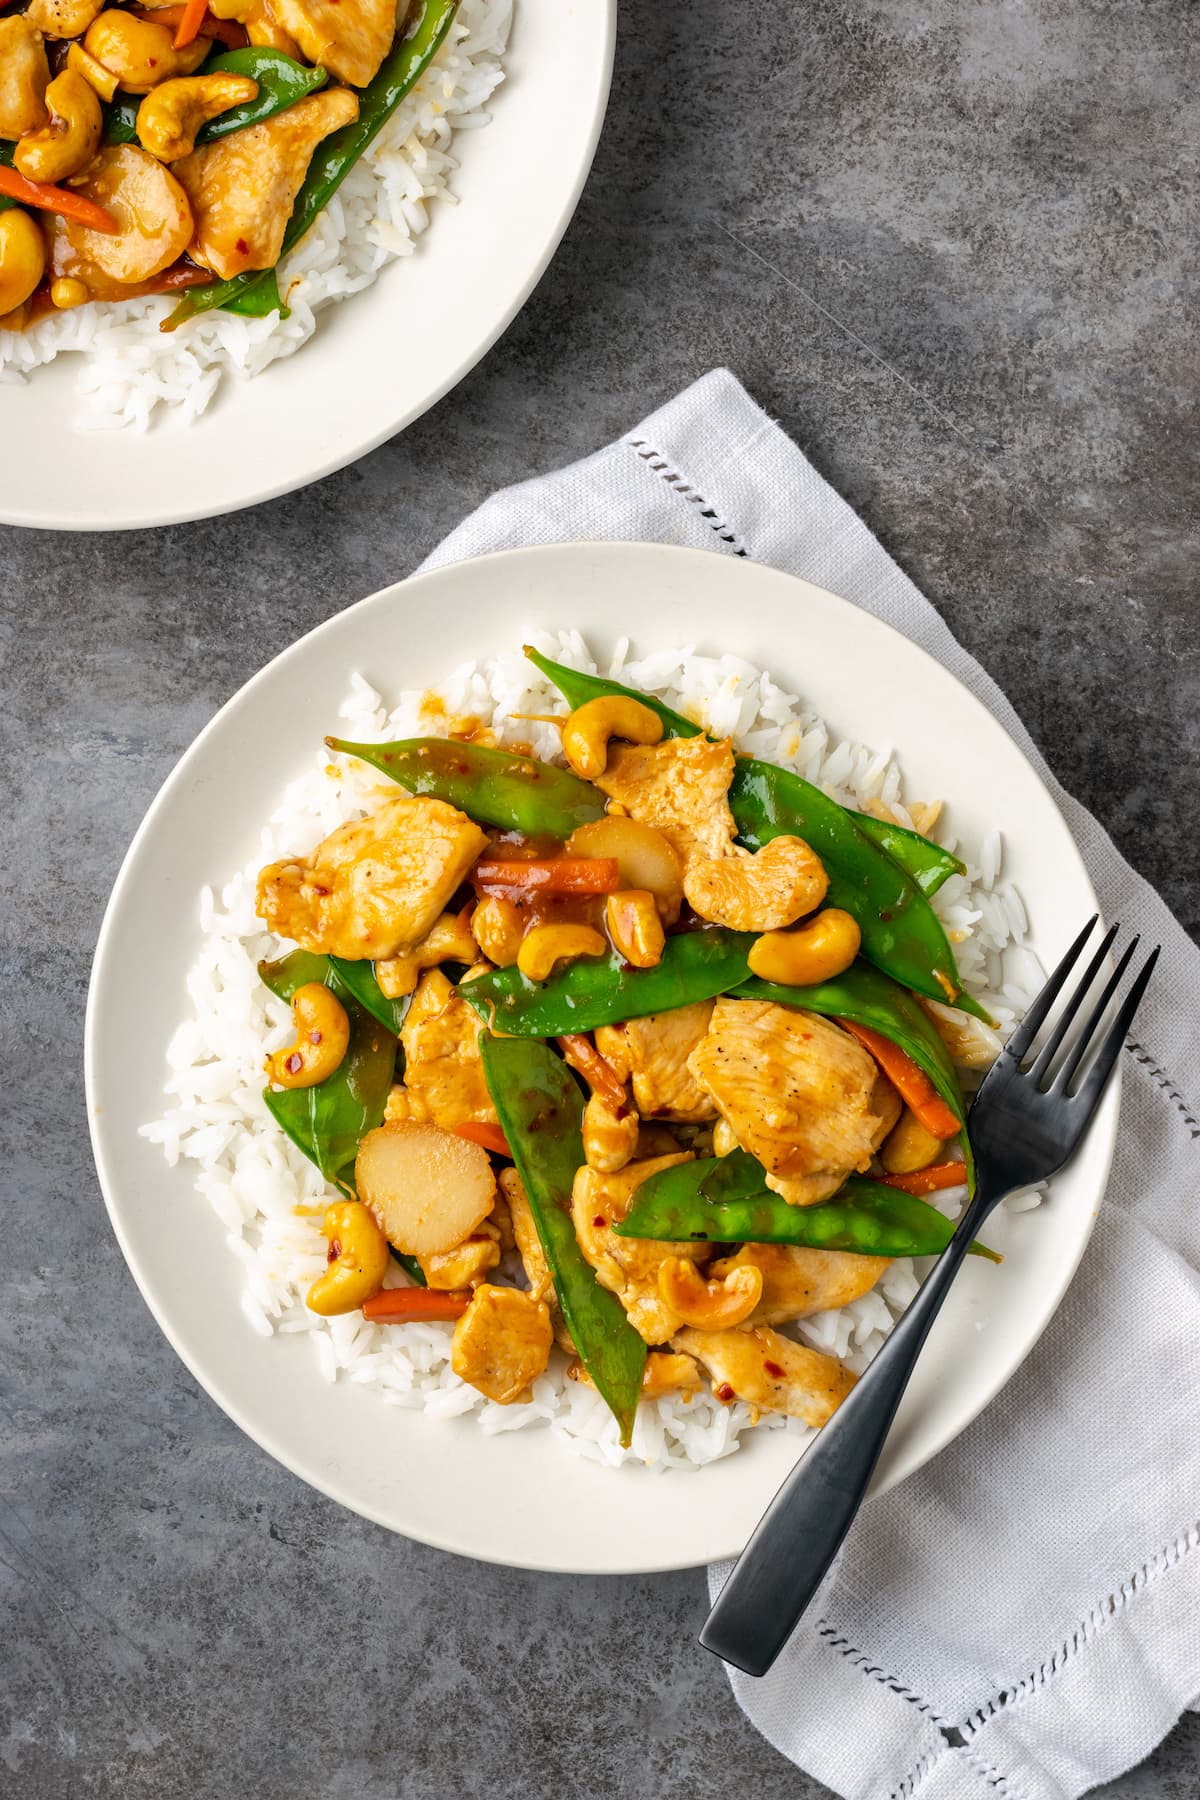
pixel 1021 1619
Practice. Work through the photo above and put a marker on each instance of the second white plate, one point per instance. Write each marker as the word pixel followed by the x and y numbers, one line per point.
pixel 378 360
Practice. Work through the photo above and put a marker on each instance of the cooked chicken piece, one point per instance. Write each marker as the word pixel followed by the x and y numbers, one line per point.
pixel 502 1342
pixel 262 27
pixel 679 787
pixel 797 1091
pixel 443 1070
pixel 764 892
pixel 655 1052
pixel 501 1219
pixel 409 1108
pixel 757 1364
pixel 24 77
pixel 63 18
pixel 372 889
pixel 797 1282
pixel 665 1372
pixel 350 38
pixel 807 1190
pixel 466 1265
pixel 242 188
pixel 533 1257
pixel 628 1267
pixel 610 1138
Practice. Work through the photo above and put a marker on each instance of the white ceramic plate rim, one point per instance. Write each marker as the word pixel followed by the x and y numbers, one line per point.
pixel 122 1204
pixel 43 511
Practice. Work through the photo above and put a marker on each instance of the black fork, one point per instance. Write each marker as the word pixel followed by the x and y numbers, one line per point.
pixel 1025 1124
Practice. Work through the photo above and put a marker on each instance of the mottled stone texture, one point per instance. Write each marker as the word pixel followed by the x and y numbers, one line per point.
pixel 950 247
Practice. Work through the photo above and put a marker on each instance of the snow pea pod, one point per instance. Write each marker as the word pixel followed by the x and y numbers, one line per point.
pixel 928 863
pixel 281 80
pixel 6 161
pixel 604 990
pixel 329 1121
pixel 333 159
pixel 901 933
pixel 725 1201
pixel 540 1109
pixel 495 787
pixel 354 978
pixel 867 997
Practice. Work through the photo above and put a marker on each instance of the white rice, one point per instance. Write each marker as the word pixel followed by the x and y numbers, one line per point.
pixel 255 1179
pixel 131 368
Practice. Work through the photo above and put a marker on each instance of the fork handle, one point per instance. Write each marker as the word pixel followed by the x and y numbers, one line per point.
pixel 799 1535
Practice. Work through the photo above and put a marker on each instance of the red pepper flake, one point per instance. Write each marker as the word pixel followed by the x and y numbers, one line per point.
pixel 599 1222
pixel 294 1063
pixel 724 1392
pixel 334 1251
pixel 773 1369
pixel 243 249
pixel 314 1037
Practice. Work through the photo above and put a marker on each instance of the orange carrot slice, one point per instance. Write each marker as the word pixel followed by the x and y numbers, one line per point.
pixel 927 1181
pixel 910 1082
pixel 408 1306
pixel 48 198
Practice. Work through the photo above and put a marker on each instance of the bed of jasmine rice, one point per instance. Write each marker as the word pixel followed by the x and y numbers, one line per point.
pixel 259 1184
pixel 130 368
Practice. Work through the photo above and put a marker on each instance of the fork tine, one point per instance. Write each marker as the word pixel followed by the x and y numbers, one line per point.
pixel 1075 1000
pixel 1063 1079
pixel 1025 1033
pixel 1096 1080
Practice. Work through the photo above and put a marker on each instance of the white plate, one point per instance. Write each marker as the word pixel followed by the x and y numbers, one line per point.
pixel 545 1507
pixel 378 360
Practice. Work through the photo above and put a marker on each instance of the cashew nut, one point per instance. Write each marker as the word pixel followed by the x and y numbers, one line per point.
pixel 643 855
pixel 102 80
pixel 322 1038
pixel 171 114
pixel 909 1146
pixel 139 53
pixel 449 939
pixel 610 1139
pixel 635 927
pixel 24 77
pixel 816 951
pixel 709 1305
pixel 774 887
pixel 358 1260
pixel 498 928
pixel 546 945
pixel 587 731
pixel 68 143
pixel 22 258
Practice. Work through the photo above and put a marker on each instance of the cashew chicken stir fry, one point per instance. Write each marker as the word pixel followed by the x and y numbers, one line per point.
pixel 638 1057
pixel 183 148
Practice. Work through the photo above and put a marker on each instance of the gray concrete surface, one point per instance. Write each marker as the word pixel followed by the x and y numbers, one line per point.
pixel 951 247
